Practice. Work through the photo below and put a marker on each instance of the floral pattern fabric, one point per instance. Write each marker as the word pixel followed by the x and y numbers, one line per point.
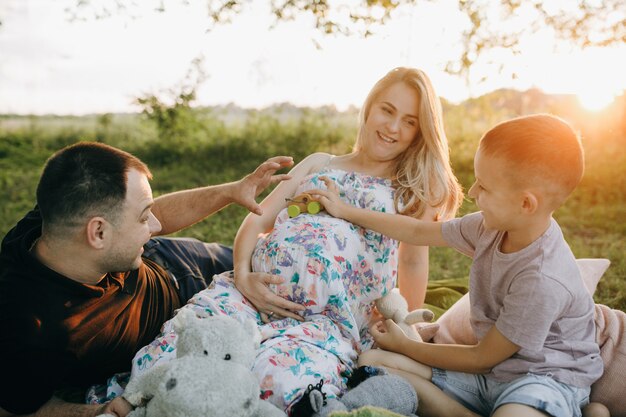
pixel 332 267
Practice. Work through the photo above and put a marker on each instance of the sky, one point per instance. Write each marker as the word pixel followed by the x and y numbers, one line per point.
pixel 51 65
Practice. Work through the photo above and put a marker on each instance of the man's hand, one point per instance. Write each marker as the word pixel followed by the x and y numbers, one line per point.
pixel 388 335
pixel 254 286
pixel 118 407
pixel 56 407
pixel 249 187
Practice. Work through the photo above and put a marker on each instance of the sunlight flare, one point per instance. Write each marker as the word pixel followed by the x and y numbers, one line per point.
pixel 595 100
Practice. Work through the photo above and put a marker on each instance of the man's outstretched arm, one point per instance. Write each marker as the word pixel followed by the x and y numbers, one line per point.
pixel 182 209
pixel 59 408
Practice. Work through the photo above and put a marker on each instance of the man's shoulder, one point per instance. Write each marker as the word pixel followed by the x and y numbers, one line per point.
pixel 14 253
pixel 14 242
pixel 25 284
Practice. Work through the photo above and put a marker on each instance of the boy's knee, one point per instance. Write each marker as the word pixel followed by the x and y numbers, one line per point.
pixel 595 410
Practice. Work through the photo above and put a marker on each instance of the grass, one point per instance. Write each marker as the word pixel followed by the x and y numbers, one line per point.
pixel 218 150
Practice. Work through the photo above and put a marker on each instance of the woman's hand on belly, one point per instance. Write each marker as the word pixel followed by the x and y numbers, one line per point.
pixel 254 286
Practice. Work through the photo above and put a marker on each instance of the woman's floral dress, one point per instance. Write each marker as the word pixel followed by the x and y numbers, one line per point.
pixel 332 267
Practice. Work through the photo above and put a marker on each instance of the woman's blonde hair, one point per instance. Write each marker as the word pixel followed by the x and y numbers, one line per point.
pixel 423 175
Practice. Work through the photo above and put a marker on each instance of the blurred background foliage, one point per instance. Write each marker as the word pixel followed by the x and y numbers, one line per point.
pixel 188 147
pixel 489 25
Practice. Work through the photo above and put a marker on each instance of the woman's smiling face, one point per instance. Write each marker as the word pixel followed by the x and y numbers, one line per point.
pixel 392 123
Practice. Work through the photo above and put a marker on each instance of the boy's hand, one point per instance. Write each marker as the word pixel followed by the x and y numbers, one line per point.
pixel 330 198
pixel 388 335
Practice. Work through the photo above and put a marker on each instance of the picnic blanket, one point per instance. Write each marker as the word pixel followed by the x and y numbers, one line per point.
pixel 366 412
pixel 441 294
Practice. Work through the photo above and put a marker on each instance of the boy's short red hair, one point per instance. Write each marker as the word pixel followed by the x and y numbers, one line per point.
pixel 541 148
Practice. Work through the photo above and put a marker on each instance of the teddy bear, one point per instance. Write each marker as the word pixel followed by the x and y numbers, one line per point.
pixel 210 375
pixel 393 306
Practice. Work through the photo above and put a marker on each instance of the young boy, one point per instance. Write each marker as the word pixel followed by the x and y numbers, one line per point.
pixel 530 310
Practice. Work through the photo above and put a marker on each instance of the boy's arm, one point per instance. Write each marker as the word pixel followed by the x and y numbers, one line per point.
pixel 413 268
pixel 477 359
pixel 402 228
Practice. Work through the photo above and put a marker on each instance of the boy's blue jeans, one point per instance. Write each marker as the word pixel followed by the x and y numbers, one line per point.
pixel 189 262
pixel 483 395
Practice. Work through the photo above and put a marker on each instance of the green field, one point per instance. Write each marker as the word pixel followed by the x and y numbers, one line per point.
pixel 208 146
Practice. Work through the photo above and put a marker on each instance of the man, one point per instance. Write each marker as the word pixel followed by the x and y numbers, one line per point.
pixel 83 285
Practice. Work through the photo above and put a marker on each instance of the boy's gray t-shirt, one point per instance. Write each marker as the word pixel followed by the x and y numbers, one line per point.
pixel 535 297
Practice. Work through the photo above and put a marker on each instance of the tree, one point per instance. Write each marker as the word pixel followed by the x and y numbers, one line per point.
pixel 174 118
pixel 582 23
pixel 491 24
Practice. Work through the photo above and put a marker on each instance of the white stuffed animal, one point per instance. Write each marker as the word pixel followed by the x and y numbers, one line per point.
pixel 393 306
pixel 210 375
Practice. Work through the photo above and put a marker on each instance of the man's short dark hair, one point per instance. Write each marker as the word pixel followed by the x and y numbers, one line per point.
pixel 84 180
